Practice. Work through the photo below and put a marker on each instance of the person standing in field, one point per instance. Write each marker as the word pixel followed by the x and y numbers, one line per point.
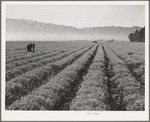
pixel 29 46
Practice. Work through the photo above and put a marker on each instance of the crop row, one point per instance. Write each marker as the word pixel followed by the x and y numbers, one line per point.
pixel 128 47
pixel 23 62
pixel 41 49
pixel 50 94
pixel 93 93
pixel 19 51
pixel 138 55
pixel 23 57
pixel 136 67
pixel 38 53
pixel 22 85
pixel 12 73
pixel 14 53
pixel 124 90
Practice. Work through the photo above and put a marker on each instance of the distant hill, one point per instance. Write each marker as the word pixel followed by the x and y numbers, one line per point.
pixel 22 29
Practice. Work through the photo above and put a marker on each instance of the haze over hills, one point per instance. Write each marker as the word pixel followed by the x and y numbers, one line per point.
pixel 22 29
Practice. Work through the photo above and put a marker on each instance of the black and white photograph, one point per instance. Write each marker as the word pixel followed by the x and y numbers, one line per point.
pixel 79 60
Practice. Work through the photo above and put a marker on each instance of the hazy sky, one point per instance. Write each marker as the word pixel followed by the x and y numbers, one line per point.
pixel 81 16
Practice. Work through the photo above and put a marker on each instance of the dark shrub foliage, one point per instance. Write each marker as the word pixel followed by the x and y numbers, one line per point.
pixel 137 36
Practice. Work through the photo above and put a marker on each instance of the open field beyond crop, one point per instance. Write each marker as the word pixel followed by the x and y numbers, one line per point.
pixel 75 76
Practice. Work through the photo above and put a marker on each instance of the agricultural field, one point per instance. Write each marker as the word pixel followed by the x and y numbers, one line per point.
pixel 75 76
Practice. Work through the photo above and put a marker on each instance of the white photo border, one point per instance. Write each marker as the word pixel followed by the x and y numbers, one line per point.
pixel 73 115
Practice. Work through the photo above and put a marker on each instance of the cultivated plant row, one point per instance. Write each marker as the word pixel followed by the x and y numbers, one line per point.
pixel 93 93
pixel 12 73
pixel 13 54
pixel 135 66
pixel 52 93
pixel 22 85
pixel 23 57
pixel 34 59
pixel 138 55
pixel 38 53
pixel 19 51
pixel 40 50
pixel 125 90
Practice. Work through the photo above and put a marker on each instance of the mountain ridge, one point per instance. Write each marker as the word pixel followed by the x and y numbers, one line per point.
pixel 22 29
pixel 71 26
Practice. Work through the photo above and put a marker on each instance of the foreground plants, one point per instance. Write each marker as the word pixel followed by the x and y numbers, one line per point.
pixel 50 95
pixel 22 85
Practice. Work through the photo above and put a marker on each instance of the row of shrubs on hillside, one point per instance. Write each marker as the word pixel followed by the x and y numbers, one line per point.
pixel 137 36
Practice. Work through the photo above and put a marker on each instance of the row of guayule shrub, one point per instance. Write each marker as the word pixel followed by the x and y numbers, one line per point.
pixel 133 52
pixel 124 89
pixel 12 73
pixel 38 53
pixel 13 54
pixel 23 57
pixel 93 93
pixel 51 93
pixel 21 51
pixel 17 53
pixel 136 67
pixel 22 85
pixel 15 64
pixel 34 59
pixel 128 58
